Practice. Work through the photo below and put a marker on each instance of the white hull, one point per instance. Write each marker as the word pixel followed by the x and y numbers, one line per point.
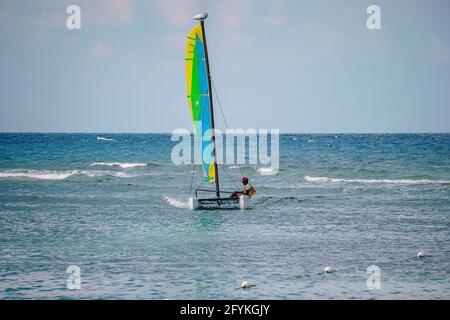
pixel 194 204
pixel 243 203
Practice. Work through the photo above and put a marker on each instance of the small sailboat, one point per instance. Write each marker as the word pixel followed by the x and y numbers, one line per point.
pixel 200 98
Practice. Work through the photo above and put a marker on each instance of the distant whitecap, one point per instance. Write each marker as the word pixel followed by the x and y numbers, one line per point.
pixel 104 139
pixel 266 171
pixel 123 165
pixel 377 181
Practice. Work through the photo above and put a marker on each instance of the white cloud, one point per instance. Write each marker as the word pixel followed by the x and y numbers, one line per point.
pixel 179 12
pixel 4 14
pixel 48 19
pixel 440 51
pixel 51 13
pixel 176 39
pixel 108 12
pixel 275 20
pixel 233 13
pixel 99 49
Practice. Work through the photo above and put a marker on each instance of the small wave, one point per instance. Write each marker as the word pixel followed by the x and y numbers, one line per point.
pixel 92 174
pixel 38 174
pixel 377 181
pixel 278 200
pixel 104 139
pixel 122 165
pixel 58 175
pixel 267 171
pixel 182 204
pixel 367 170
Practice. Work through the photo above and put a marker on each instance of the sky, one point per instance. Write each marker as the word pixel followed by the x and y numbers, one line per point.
pixel 296 66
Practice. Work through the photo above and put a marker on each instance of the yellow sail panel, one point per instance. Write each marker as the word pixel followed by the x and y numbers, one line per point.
pixel 211 173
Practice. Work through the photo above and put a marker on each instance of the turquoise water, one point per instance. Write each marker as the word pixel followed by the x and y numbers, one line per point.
pixel 114 205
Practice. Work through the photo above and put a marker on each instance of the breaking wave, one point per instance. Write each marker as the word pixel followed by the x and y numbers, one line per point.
pixel 58 175
pixel 377 181
pixel 122 165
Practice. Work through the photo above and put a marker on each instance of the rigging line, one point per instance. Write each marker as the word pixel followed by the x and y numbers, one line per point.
pixel 192 178
pixel 220 105
pixel 200 184
pixel 229 176
pixel 224 119
pixel 193 164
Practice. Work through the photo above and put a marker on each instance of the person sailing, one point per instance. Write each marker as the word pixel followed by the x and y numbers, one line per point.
pixel 248 189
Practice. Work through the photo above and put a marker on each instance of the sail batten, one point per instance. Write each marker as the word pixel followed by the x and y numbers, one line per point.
pixel 198 97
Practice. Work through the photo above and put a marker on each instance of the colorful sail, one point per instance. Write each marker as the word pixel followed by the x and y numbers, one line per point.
pixel 198 97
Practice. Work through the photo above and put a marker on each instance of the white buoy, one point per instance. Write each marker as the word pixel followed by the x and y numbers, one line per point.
pixel 328 270
pixel 245 284
pixel 420 254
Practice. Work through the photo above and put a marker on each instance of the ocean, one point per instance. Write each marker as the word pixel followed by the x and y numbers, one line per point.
pixel 115 207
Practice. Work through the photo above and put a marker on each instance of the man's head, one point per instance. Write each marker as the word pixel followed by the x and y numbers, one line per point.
pixel 244 180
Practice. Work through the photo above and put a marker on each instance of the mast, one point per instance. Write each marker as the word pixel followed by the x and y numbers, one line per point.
pixel 202 18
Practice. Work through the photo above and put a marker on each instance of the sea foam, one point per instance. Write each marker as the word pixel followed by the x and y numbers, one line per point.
pixel 58 175
pixel 38 174
pixel 377 181
pixel 177 203
pixel 123 165
pixel 266 171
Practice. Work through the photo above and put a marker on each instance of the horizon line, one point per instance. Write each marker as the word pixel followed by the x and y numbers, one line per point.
pixel 162 132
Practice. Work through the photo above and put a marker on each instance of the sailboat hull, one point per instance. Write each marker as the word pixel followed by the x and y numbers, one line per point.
pixel 194 204
pixel 245 202
pixel 242 203
pixel 200 99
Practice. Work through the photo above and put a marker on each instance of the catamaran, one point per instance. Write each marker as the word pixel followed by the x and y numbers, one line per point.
pixel 200 98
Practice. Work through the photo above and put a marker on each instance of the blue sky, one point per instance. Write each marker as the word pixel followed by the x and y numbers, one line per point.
pixel 299 66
